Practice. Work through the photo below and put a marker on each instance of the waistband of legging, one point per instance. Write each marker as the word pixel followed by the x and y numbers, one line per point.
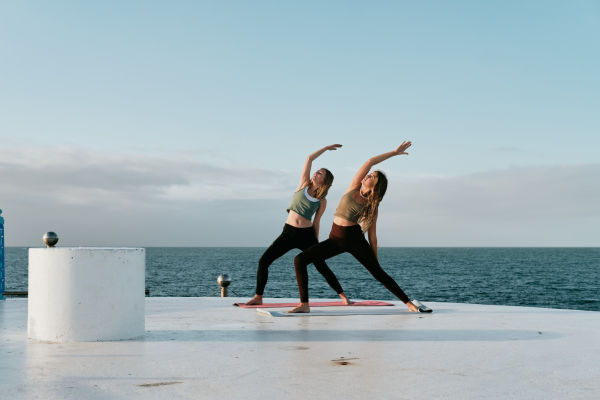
pixel 288 226
pixel 341 231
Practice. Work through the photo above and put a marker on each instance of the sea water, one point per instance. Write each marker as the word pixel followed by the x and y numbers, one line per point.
pixel 540 277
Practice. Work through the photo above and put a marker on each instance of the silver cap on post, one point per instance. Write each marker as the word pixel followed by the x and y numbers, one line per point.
pixel 50 239
pixel 223 280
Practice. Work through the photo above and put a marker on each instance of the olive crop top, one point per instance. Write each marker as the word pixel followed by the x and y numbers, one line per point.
pixel 349 208
pixel 304 204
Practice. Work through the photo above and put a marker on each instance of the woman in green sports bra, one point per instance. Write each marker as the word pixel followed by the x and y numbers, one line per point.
pixel 301 231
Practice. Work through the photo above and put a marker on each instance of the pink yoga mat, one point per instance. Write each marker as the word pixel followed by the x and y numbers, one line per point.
pixel 317 304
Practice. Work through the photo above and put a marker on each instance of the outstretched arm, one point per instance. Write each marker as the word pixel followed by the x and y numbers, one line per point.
pixel 305 176
pixel 366 167
pixel 372 234
pixel 318 215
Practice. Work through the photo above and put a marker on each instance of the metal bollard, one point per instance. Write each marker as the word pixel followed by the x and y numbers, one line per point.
pixel 50 239
pixel 223 280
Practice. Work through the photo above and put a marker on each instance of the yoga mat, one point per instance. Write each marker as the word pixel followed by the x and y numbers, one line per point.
pixel 336 313
pixel 317 304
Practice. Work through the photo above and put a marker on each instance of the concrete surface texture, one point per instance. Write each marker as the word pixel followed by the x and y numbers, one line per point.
pixel 204 348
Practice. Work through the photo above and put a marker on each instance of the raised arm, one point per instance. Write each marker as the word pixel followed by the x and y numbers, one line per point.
pixel 366 167
pixel 305 176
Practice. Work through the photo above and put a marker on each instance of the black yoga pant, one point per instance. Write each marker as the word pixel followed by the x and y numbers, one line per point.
pixel 292 238
pixel 344 239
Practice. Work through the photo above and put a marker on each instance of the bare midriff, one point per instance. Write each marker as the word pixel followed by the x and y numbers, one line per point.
pixel 296 220
pixel 343 222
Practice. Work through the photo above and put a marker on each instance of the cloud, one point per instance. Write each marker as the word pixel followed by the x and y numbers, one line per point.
pixel 519 206
pixel 514 193
pixel 71 175
pixel 94 198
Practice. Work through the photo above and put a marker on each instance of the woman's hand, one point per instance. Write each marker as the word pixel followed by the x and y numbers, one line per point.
pixel 317 153
pixel 305 176
pixel 333 147
pixel 366 167
pixel 402 148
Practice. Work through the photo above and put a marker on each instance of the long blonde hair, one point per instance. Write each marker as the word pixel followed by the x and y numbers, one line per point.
pixel 322 190
pixel 375 196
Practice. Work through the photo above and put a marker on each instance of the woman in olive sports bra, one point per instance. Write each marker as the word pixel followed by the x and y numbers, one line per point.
pixel 299 231
pixel 357 209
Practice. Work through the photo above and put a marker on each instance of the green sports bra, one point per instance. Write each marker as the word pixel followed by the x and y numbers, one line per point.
pixel 304 204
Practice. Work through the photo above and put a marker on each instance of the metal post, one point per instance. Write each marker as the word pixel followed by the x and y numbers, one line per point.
pixel 1 256
pixel 223 280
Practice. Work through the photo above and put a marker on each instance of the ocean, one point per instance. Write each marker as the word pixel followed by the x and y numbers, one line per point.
pixel 541 277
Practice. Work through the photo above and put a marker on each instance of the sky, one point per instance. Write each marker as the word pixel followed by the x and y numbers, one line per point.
pixel 186 123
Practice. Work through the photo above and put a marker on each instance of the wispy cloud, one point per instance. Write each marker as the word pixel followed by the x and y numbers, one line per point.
pixel 513 193
pixel 541 205
pixel 97 198
pixel 72 175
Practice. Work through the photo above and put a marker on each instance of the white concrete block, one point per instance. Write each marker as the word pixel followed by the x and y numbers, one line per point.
pixel 86 294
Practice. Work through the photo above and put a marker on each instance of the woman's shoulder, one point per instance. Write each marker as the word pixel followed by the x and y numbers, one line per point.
pixel 351 190
pixel 302 186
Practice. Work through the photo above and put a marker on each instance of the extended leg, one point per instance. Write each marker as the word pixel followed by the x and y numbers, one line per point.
pixel 279 247
pixel 364 254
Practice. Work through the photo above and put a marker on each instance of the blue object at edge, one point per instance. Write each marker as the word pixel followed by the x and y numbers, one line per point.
pixel 1 256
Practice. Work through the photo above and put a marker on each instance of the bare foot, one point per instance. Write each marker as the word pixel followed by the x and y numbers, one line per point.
pixel 255 301
pixel 412 307
pixel 345 299
pixel 302 308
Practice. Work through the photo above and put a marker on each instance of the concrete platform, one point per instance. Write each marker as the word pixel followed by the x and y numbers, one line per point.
pixel 204 348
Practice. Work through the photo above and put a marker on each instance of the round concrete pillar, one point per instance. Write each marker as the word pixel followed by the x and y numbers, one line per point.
pixel 86 294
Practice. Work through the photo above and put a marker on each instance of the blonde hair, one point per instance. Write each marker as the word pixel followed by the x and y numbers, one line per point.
pixel 375 196
pixel 322 190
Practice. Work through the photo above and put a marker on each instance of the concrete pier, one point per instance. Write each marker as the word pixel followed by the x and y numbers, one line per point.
pixel 204 348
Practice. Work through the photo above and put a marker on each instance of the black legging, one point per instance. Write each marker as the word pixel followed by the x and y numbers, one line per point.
pixel 344 239
pixel 292 238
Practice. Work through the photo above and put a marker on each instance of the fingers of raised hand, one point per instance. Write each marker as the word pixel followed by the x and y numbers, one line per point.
pixel 334 146
pixel 402 148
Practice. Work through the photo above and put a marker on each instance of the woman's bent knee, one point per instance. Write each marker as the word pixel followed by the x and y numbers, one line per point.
pixel 300 260
pixel 263 263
